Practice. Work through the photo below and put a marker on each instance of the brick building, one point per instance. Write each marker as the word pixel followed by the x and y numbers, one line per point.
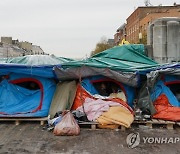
pixel 120 34
pixel 138 21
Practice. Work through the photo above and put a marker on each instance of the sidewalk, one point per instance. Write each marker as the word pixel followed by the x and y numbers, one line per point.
pixel 31 138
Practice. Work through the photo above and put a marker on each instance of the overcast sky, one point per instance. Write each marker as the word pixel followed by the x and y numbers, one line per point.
pixel 68 28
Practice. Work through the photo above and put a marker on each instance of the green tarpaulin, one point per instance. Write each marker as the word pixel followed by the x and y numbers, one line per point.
pixel 121 63
pixel 127 58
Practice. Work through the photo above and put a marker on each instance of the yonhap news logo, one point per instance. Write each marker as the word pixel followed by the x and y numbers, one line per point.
pixel 133 140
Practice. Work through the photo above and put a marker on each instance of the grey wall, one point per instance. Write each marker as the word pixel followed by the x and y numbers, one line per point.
pixel 164 37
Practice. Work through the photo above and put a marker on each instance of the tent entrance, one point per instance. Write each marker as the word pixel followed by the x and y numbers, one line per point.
pixel 31 84
pixel 107 87
pixel 175 88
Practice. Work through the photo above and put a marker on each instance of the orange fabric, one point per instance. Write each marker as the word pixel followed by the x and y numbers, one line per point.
pixel 81 95
pixel 118 100
pixel 165 110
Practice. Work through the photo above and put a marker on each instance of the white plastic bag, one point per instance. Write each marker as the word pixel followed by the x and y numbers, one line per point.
pixel 67 126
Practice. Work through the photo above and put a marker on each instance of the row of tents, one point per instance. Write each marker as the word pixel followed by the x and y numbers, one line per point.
pixel 42 85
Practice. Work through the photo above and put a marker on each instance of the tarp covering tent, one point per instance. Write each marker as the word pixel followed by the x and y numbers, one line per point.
pixel 38 60
pixel 121 63
pixel 27 90
pixel 161 95
pixel 3 60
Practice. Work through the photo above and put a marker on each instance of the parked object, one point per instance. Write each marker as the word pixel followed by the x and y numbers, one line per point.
pixel 67 126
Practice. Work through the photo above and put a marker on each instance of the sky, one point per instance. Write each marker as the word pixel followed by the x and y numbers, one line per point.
pixel 66 28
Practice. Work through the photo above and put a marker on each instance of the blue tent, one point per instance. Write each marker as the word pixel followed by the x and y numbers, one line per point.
pixel 165 80
pixel 165 86
pixel 88 84
pixel 26 91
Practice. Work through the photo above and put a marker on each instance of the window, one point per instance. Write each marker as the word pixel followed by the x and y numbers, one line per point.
pixel 29 85
pixel 106 88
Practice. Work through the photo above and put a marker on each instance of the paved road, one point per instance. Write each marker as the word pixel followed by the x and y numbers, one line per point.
pixel 31 138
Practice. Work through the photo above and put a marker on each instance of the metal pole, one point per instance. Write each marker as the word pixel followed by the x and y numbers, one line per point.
pixel 7 55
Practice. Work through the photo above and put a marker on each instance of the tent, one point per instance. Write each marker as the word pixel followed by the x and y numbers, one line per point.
pixel 161 94
pixel 26 91
pixel 121 63
pixel 109 109
pixel 27 86
pixel 91 85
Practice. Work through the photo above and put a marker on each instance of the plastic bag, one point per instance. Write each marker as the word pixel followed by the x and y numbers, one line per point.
pixel 67 126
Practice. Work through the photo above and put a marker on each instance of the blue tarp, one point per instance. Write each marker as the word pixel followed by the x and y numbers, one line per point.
pixel 41 71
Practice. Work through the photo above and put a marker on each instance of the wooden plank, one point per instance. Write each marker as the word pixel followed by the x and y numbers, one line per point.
pixel 161 121
pixel 170 122
pixel 149 125
pixel 140 122
pixel 93 126
pixel 41 122
pixel 123 128
pixel 88 123
pixel 170 126
pixel 17 120
pixel 23 119
pixel 178 123
pixel 155 121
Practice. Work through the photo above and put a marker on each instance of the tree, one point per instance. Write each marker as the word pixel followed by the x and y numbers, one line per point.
pixel 101 46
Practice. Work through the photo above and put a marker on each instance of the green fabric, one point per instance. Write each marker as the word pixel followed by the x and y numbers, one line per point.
pixel 126 58
pixel 63 97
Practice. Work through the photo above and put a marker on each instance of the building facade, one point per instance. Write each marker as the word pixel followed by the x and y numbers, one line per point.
pixel 142 17
pixel 14 48
pixel 36 50
pixel 6 40
pixel 120 34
